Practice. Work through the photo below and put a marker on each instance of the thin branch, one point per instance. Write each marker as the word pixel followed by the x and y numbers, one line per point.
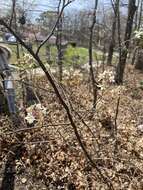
pixel 62 101
pixel 34 128
pixel 90 50
pixel 115 125
pixel 12 13
pixel 54 27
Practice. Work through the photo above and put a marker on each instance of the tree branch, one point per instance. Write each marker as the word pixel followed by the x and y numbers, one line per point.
pixel 54 27
pixel 62 101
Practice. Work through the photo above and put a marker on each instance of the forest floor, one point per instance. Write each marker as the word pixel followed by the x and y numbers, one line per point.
pixel 50 156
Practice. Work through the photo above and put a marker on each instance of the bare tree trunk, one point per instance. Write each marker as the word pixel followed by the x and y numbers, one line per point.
pixel 137 27
pixel 91 56
pixel 119 34
pixel 112 43
pixel 48 54
pixel 140 15
pixel 134 55
pixel 139 60
pixel 14 17
pixel 59 44
pixel 3 103
pixel 122 62
pixel 137 15
pixel 12 12
pixel 104 55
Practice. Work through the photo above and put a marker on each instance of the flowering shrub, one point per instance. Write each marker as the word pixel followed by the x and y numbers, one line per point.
pixel 139 34
pixel 107 76
pixel 30 118
pixel 35 112
pixel 139 38
pixel 26 62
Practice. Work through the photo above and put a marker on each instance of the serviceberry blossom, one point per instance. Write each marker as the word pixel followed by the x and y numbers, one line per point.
pixel 33 111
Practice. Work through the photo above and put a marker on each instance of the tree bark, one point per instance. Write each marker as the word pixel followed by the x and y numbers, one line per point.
pixel 91 56
pixel 59 44
pixel 139 61
pixel 140 15
pixel 112 43
pixel 137 27
pixel 122 62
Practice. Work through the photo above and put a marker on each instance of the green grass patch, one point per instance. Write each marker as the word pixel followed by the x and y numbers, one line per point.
pixel 73 55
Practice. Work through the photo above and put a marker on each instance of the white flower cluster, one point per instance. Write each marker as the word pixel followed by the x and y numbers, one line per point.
pixel 77 73
pixel 32 110
pixel 27 56
pixel 26 62
pixel 30 118
pixel 86 66
pixel 117 90
pixel 107 76
pixel 140 128
pixel 139 34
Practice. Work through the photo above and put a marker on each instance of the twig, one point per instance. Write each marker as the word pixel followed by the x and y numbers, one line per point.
pixel 34 128
pixel 64 104
pixel 53 30
pixel 115 124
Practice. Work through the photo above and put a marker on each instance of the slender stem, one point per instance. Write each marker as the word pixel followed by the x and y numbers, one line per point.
pixel 62 101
